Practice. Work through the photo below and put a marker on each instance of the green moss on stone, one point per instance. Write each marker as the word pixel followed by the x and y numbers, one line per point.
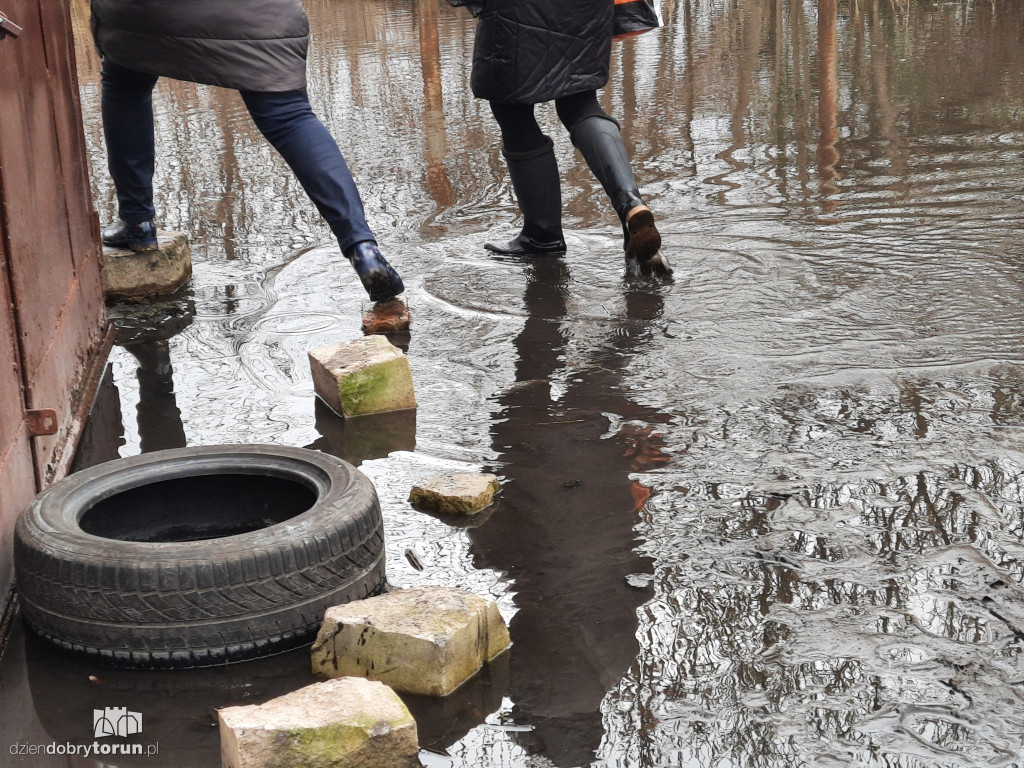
pixel 370 390
pixel 332 746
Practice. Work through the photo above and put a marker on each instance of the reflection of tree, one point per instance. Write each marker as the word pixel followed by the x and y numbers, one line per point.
pixel 433 105
pixel 905 71
pixel 828 101
pixel 564 532
pixel 849 607
pixel 750 35
pixel 908 71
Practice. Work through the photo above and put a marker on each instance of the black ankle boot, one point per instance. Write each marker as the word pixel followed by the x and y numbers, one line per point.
pixel 600 142
pixel 539 194
pixel 134 237
pixel 520 245
pixel 379 278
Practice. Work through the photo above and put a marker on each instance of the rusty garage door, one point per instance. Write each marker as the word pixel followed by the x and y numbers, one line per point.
pixel 52 322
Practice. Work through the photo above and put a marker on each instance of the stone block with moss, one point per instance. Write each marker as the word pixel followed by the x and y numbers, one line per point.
pixel 341 723
pixel 427 641
pixel 363 376
pixel 163 270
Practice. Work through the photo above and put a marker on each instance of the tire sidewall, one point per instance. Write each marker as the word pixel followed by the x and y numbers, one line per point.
pixel 51 520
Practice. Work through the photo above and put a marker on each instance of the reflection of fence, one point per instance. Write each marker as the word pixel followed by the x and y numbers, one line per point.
pixel 51 303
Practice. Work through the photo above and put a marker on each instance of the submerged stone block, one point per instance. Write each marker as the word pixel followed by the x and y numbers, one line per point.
pixel 459 494
pixel 367 375
pixel 127 274
pixel 426 641
pixel 387 317
pixel 343 723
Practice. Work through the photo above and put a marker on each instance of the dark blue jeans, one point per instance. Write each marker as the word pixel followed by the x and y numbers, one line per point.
pixel 283 117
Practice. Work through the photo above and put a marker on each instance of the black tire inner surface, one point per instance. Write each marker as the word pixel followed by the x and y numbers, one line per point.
pixel 197 508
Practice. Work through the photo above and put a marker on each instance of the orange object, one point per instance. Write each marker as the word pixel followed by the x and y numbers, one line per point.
pixel 634 17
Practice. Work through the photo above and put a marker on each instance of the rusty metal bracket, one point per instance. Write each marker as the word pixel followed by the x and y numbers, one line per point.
pixel 42 422
pixel 8 27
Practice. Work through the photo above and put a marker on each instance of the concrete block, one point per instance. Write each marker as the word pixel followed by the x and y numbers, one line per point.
pixel 387 317
pixel 127 274
pixel 459 494
pixel 428 640
pixel 342 723
pixel 367 375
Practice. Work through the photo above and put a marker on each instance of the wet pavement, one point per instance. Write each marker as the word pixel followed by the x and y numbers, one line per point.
pixel 767 513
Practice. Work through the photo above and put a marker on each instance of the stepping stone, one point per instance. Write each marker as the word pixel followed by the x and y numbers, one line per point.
pixel 367 375
pixel 427 641
pixel 343 723
pixel 387 317
pixel 130 274
pixel 459 494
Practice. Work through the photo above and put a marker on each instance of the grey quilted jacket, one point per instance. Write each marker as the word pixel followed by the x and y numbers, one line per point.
pixel 252 45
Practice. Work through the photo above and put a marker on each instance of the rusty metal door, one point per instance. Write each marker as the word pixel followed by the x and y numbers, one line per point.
pixel 52 321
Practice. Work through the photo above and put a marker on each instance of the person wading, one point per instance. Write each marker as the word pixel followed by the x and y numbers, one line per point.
pixel 532 51
pixel 257 47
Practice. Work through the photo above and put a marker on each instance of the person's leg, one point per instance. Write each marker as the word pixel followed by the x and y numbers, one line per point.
pixel 532 167
pixel 597 137
pixel 520 132
pixel 127 109
pixel 287 121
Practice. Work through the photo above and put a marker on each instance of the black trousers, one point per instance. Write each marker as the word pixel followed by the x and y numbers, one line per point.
pixel 520 131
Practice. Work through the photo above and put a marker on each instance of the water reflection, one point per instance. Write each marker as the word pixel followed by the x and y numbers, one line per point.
pixel 828 100
pixel 159 420
pixel 836 617
pixel 565 527
pixel 178 708
pixel 433 106
pixel 364 438
pixel 144 332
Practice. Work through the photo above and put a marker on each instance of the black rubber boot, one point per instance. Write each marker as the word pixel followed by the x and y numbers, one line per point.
pixel 539 194
pixel 600 142
pixel 379 278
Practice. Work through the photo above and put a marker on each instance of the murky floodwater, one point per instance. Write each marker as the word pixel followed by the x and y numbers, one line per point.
pixel 768 513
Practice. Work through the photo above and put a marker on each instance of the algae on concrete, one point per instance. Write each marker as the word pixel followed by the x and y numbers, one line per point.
pixel 341 723
pixel 341 745
pixel 371 390
pixel 363 376
pixel 427 641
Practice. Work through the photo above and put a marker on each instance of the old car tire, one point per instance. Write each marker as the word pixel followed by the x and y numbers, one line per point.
pixel 197 556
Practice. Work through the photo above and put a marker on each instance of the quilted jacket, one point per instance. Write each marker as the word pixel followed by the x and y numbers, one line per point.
pixel 252 45
pixel 528 51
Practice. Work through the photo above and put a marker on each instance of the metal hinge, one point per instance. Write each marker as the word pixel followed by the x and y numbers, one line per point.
pixel 8 27
pixel 42 422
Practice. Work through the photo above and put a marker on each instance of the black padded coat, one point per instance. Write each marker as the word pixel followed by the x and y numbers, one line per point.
pixel 528 51
pixel 252 45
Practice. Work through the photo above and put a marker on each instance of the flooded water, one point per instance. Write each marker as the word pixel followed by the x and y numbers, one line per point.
pixel 767 513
